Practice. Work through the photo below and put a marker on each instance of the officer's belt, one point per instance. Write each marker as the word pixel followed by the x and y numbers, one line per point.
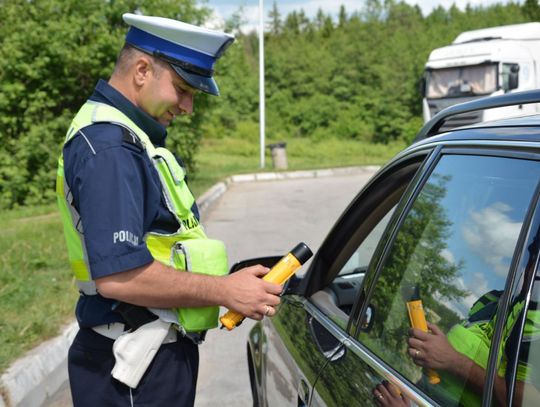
pixel 87 287
pixel 115 329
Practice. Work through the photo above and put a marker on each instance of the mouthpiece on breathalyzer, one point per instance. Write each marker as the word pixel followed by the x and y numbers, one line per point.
pixel 279 274
pixel 302 253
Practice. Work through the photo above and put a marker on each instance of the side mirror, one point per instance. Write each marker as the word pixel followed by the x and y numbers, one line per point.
pixel 368 318
pixel 328 344
pixel 263 261
pixel 291 285
pixel 513 77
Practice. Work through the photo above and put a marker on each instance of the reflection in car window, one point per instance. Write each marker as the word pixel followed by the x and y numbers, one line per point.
pixel 453 251
pixel 527 391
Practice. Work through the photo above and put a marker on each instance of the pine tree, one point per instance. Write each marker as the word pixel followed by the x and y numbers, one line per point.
pixel 531 9
pixel 276 25
pixel 342 20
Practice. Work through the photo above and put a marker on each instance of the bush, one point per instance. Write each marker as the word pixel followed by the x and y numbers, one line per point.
pixel 53 53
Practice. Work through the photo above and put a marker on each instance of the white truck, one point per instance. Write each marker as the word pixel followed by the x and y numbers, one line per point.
pixel 485 62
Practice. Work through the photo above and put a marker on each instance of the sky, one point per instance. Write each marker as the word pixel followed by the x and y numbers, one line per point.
pixel 486 212
pixel 225 8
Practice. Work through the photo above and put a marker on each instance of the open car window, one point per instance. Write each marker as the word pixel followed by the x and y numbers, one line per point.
pixel 359 260
pixel 352 243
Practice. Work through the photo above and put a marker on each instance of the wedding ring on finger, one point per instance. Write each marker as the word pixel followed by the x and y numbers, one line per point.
pixel 266 310
pixel 416 353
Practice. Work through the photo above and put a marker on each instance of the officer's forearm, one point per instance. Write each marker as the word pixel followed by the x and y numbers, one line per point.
pixel 159 286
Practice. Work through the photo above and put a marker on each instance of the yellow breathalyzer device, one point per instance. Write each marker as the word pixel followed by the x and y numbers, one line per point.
pixel 279 274
pixel 417 317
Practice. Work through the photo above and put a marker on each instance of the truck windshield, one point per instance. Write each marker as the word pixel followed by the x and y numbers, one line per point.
pixel 461 81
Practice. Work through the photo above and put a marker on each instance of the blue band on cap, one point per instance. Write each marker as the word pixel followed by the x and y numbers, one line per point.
pixel 149 42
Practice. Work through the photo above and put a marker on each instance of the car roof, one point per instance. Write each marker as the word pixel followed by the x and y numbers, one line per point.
pixel 516 129
pixel 529 126
pixel 530 120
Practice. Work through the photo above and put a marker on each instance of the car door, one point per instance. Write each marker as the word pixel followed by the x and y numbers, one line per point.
pixel 450 243
pixel 306 333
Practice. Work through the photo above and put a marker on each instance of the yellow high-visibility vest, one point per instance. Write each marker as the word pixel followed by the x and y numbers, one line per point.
pixel 187 249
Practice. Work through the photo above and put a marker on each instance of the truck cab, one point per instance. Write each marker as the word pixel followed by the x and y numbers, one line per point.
pixel 479 63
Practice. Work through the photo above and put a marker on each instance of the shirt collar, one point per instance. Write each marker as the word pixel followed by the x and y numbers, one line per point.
pixel 105 93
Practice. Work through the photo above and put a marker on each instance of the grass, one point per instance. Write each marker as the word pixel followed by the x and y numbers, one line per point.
pixel 37 290
pixel 219 158
pixel 37 293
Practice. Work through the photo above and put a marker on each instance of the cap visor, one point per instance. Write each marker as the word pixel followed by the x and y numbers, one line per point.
pixel 203 83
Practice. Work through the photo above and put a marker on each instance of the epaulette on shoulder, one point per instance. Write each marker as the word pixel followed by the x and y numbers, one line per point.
pixel 131 139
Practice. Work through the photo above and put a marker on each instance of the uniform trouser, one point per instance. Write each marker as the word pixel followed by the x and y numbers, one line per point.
pixel 169 381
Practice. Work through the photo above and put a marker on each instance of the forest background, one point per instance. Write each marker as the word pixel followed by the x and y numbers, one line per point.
pixel 356 78
pixel 350 81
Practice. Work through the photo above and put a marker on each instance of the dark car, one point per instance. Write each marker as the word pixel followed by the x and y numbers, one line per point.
pixel 451 225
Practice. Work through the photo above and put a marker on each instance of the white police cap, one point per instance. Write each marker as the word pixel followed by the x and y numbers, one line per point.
pixel 192 51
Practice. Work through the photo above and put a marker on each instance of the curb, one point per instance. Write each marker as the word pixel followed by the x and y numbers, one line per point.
pixel 38 375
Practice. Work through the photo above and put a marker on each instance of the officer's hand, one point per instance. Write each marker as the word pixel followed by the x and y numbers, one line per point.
pixel 247 293
pixel 432 349
pixel 387 394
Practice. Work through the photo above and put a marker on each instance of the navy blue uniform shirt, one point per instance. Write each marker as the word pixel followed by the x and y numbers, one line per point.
pixel 117 193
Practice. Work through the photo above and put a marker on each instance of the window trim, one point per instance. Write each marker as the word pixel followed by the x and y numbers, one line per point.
pixel 492 152
pixel 386 371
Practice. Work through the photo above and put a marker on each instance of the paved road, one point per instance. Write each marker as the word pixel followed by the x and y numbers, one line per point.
pixel 259 219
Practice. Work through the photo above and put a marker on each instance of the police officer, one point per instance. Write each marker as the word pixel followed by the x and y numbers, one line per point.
pixel 132 225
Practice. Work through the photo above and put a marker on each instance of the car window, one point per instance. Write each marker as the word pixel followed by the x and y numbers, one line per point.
pixel 338 298
pixel 451 257
pixel 359 260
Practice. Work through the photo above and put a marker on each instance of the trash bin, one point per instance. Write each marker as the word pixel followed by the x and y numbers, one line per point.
pixel 279 155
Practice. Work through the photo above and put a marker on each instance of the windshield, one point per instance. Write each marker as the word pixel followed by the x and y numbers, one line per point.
pixel 461 81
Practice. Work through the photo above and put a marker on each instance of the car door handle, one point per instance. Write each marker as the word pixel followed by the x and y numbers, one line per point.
pixel 303 393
